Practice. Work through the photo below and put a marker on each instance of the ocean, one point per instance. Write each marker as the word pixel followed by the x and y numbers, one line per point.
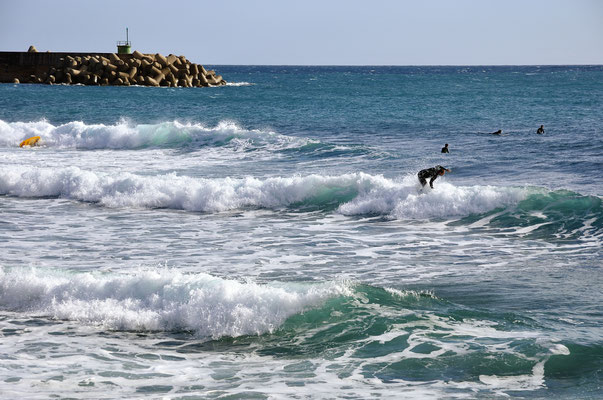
pixel 269 239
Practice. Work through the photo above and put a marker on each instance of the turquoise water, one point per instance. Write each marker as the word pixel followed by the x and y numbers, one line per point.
pixel 268 239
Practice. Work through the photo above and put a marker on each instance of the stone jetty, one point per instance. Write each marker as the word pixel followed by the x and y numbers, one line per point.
pixel 104 69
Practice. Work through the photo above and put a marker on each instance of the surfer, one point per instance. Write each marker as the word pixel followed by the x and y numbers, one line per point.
pixel 445 148
pixel 540 130
pixel 432 174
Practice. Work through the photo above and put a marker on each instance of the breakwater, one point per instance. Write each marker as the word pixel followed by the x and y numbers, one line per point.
pixel 105 69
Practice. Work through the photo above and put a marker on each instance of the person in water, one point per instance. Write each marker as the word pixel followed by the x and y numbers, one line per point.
pixel 445 148
pixel 540 130
pixel 498 132
pixel 431 174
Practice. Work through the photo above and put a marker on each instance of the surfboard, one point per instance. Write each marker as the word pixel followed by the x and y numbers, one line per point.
pixel 32 141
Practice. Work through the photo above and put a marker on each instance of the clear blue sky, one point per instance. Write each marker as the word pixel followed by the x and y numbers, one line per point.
pixel 318 32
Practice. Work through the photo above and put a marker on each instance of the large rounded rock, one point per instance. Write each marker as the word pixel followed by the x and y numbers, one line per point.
pixel 161 60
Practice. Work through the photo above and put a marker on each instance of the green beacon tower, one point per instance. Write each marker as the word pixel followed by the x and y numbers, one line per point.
pixel 124 47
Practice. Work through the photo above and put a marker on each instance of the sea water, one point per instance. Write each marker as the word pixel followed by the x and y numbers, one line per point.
pixel 269 239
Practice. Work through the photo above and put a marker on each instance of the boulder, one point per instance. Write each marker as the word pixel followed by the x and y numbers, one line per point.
pixel 161 60
pixel 114 58
pixel 32 49
pixel 171 59
pixel 150 81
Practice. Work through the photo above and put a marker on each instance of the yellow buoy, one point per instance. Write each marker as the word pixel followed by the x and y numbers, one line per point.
pixel 32 141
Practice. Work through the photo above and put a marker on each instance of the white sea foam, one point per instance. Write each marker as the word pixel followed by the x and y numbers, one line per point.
pixel 239 84
pixel 160 300
pixel 405 201
pixel 124 135
pixel 370 194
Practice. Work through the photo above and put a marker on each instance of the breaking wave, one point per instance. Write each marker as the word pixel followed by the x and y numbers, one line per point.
pixel 123 135
pixel 529 209
pixel 160 300
pixel 349 194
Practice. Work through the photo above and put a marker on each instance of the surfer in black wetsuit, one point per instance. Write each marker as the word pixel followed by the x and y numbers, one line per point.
pixel 445 148
pixel 540 130
pixel 431 174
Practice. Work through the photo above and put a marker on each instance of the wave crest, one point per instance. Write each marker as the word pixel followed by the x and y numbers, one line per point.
pixel 160 300
pixel 350 194
pixel 123 135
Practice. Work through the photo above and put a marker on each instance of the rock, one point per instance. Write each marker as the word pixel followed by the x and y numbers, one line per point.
pixel 32 49
pixel 150 81
pixel 173 69
pixel 16 80
pixel 161 60
pixel 171 59
pixel 114 58
pixel 137 55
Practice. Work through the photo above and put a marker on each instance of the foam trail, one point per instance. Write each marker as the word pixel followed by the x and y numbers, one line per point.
pixel 353 194
pixel 239 84
pixel 160 300
pixel 77 134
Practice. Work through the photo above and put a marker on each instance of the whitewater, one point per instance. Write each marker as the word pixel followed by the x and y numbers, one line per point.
pixel 270 239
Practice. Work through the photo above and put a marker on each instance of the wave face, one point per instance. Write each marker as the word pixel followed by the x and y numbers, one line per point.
pixel 77 134
pixel 160 300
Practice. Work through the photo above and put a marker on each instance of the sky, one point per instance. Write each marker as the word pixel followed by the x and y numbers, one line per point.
pixel 317 32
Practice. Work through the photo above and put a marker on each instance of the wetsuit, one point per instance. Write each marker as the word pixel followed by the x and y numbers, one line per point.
pixel 445 150
pixel 540 130
pixel 432 173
